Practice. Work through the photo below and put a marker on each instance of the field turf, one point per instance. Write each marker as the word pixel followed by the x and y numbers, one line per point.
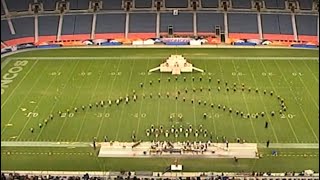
pixel 56 80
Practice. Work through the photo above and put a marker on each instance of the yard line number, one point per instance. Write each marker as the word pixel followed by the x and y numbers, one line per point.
pixel 106 115
pixel 267 74
pixel 290 116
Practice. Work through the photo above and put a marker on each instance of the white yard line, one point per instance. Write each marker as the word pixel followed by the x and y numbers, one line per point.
pixel 21 102
pixel 65 120
pixel 109 94
pixel 264 105
pixel 36 107
pixel 303 113
pixel 245 102
pixel 204 57
pixel 85 113
pixel 159 102
pixel 274 89
pixel 12 92
pixel 212 112
pixel 194 104
pixel 55 103
pixel 228 99
pixel 313 100
pixel 140 108
pixel 122 109
pixel 314 76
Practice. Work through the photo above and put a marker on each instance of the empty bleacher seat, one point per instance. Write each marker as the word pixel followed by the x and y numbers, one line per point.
pixel 18 5
pixel 210 3
pixel 79 4
pixel 305 4
pixel 206 22
pixel 276 24
pixel 306 24
pixel 112 4
pixel 110 23
pixel 83 24
pixel 241 4
pixel 24 27
pixel 275 4
pixel 181 23
pixel 48 25
pixel 176 3
pixel 143 3
pixel 142 22
pixel 49 5
pixel 242 23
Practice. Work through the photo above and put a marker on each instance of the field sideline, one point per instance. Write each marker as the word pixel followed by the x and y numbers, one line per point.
pixel 50 82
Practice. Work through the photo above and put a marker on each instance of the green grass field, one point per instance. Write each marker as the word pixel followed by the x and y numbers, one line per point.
pixel 56 80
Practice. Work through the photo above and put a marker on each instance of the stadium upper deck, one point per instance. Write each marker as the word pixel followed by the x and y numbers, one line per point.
pixel 49 20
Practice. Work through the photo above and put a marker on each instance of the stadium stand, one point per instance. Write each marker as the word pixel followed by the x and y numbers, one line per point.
pixel 210 3
pixel 110 23
pixel 275 4
pixel 276 24
pixel 2 10
pixel 21 29
pixel 242 23
pixel 68 25
pixel 141 22
pixel 306 25
pixel 83 24
pixel 79 4
pixel 5 31
pixel 48 25
pixel 18 5
pixel 206 22
pixel 143 3
pixel 305 4
pixel 111 4
pixel 49 5
pixel 181 23
pixel 176 3
pixel 241 4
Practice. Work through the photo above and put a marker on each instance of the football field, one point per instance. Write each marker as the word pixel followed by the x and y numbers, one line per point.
pixel 73 93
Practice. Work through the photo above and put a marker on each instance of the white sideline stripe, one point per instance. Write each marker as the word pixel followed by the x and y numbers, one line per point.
pixel 164 56
pixel 89 144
